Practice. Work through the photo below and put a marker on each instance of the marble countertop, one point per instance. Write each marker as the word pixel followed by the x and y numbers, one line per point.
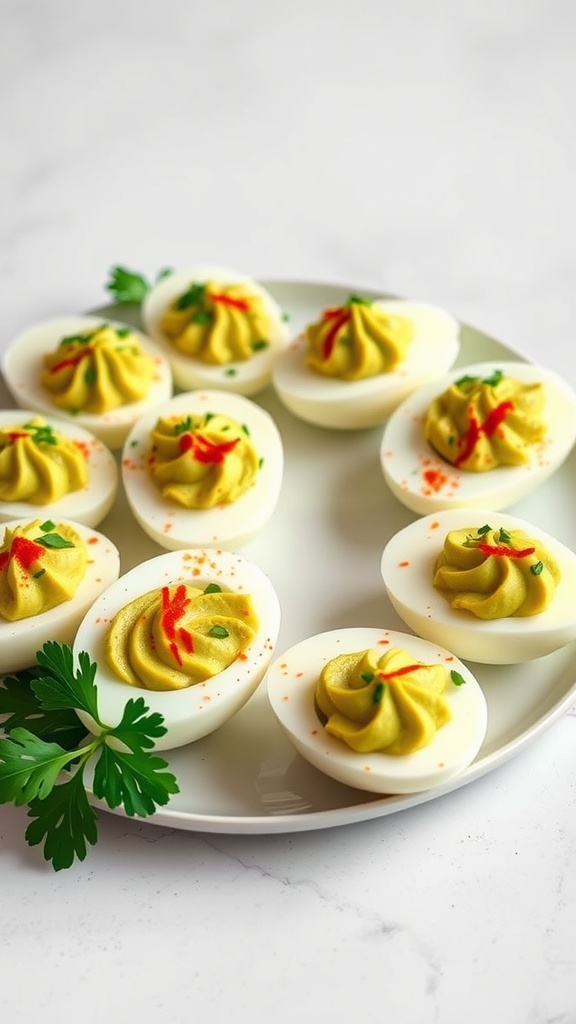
pixel 426 149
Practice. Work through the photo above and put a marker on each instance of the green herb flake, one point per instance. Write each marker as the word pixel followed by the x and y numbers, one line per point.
pixel 41 433
pixel 202 317
pixel 37 575
pixel 358 300
pixel 537 568
pixel 466 379
pixel 367 676
pixel 457 678
pixel 260 345
pixel 194 296
pixel 230 372
pixel 47 526
pixel 503 536
pixel 220 632
pixel 494 379
pixel 484 530
pixel 378 692
pixel 123 332
pixel 54 541
pixel 183 426
pixel 126 286
pixel 213 588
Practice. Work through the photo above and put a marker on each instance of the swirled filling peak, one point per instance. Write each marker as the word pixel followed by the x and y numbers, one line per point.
pixel 41 566
pixel 98 370
pixel 202 461
pixel 179 635
pixel 217 322
pixel 39 464
pixel 387 703
pixel 357 340
pixel 480 423
pixel 495 573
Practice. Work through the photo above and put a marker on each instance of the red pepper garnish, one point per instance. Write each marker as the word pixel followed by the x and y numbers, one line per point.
pixel 340 316
pixel 490 425
pixel 228 300
pixel 16 435
pixel 399 671
pixel 204 450
pixel 72 360
pixel 504 552
pixel 173 608
pixel 24 551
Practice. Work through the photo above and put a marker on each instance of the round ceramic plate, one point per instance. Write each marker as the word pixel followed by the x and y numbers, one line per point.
pixel 322 550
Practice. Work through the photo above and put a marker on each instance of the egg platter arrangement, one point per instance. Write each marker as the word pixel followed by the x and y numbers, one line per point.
pixel 305 514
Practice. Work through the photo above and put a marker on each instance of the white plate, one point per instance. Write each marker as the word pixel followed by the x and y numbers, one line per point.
pixel 322 551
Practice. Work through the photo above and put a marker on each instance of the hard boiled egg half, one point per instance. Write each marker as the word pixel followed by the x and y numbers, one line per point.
pixel 89 503
pixel 196 710
pixel 424 482
pixel 349 404
pixel 20 639
pixel 24 362
pixel 291 683
pixel 204 436
pixel 218 328
pixel 407 567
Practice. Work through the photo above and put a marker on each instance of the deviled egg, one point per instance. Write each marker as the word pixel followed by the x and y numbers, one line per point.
pixel 379 710
pixel 191 631
pixel 204 469
pixel 218 328
pixel 491 587
pixel 50 574
pixel 518 426
pixel 53 467
pixel 353 366
pixel 99 374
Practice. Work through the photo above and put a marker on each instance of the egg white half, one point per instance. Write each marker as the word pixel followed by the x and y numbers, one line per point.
pixel 224 526
pixel 198 710
pixel 349 405
pixel 23 363
pixel 88 505
pixel 20 640
pixel 407 569
pixel 246 377
pixel 291 683
pixel 425 482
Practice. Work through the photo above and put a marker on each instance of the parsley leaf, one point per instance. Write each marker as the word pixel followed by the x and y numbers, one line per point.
pixel 128 286
pixel 65 821
pixel 32 761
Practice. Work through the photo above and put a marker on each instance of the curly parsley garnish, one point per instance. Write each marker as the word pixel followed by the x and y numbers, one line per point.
pixel 45 750
pixel 127 286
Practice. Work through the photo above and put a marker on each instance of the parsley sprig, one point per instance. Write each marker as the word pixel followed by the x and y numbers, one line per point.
pixel 45 750
pixel 129 286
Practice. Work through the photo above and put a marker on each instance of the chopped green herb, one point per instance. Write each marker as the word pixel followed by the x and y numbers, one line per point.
pixel 193 297
pixel 457 678
pixel 358 300
pixel 378 692
pixel 44 738
pixel 90 375
pixel 53 540
pixel 494 379
pixel 213 588
pixel 367 676
pixel 285 316
pixel 230 372
pixel 123 332
pixel 258 346
pixel 537 568
pixel 504 537
pixel 220 632
pixel 245 429
pixel 202 317
pixel 37 575
pixel 41 433
pixel 484 529
pixel 183 425
pixel 47 526
pixel 466 379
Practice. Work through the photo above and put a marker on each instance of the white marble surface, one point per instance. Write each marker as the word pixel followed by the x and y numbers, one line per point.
pixel 425 148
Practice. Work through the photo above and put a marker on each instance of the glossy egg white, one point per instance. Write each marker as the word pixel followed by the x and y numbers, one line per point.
pixel 20 640
pixel 246 377
pixel 198 710
pixel 425 482
pixel 88 505
pixel 23 363
pixel 350 405
pixel 224 526
pixel 407 568
pixel 291 683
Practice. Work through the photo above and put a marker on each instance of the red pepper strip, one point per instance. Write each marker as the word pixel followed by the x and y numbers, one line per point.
pixel 488 427
pixel 204 450
pixel 503 552
pixel 72 360
pixel 173 609
pixel 399 671
pixel 227 300
pixel 24 551
pixel 340 316
pixel 16 435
